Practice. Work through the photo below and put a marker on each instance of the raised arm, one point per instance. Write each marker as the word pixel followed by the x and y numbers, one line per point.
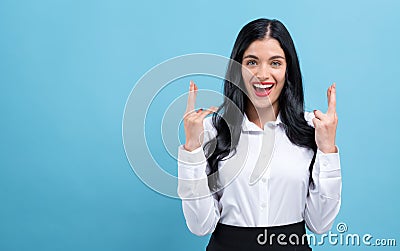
pixel 199 206
pixel 324 199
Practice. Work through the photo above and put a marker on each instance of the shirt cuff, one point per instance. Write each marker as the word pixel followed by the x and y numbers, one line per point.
pixel 193 158
pixel 329 164
pixel 193 181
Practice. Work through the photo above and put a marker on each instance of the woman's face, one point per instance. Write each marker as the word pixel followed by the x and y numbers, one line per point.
pixel 263 71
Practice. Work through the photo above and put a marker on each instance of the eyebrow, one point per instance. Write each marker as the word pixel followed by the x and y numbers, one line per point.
pixel 255 57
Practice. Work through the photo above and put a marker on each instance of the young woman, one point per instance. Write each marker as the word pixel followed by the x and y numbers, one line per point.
pixel 301 184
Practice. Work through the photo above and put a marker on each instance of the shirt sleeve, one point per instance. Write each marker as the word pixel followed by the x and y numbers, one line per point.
pixel 200 206
pixel 324 198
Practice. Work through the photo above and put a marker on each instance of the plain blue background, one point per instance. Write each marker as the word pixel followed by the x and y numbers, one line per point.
pixel 67 68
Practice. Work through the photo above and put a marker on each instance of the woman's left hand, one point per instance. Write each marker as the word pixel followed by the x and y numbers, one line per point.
pixel 325 124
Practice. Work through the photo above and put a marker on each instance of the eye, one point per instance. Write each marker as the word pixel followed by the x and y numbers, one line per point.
pixel 276 64
pixel 251 62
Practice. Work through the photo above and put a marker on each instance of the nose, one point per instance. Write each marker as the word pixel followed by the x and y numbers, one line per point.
pixel 263 72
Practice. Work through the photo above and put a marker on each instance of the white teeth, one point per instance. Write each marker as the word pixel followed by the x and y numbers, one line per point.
pixel 262 86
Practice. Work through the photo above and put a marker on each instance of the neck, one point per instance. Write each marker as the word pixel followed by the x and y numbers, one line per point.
pixel 260 116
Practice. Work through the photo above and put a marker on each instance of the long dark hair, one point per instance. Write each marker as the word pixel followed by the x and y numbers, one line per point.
pixel 227 121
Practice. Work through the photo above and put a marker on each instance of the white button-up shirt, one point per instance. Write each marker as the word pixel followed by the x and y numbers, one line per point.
pixel 280 196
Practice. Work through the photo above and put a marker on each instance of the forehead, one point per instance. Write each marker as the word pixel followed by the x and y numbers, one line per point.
pixel 266 47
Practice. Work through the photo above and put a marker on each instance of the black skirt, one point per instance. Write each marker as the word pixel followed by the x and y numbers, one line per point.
pixel 232 238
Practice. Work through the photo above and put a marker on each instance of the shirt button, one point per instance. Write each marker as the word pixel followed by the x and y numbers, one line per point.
pixel 264 180
pixel 264 205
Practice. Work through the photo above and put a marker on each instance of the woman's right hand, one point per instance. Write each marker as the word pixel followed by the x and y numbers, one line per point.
pixel 193 121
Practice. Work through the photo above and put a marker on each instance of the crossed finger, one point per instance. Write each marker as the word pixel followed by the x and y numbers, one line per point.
pixel 191 98
pixel 331 93
pixel 190 108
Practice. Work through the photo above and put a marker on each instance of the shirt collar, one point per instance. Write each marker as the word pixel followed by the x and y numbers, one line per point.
pixel 247 125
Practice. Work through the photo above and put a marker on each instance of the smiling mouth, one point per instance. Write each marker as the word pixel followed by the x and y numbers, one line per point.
pixel 262 89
